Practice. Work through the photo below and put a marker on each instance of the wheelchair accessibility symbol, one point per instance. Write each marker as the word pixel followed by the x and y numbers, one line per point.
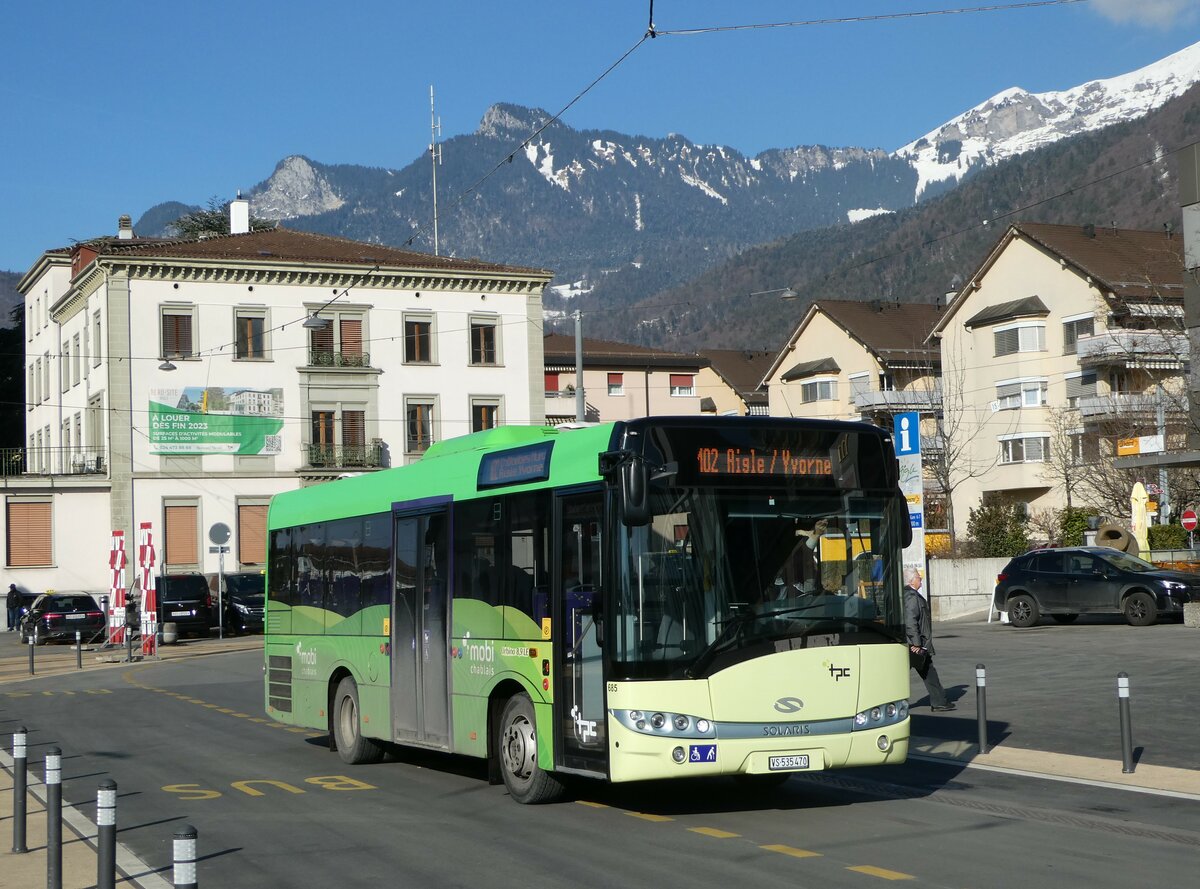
pixel 702 753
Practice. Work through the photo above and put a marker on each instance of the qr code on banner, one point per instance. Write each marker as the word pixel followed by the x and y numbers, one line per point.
pixel 272 444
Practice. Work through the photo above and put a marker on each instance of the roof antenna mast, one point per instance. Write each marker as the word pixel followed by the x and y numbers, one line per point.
pixel 435 155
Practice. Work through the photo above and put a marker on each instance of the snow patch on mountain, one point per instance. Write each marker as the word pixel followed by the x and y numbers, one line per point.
pixel 1016 121
pixel 861 214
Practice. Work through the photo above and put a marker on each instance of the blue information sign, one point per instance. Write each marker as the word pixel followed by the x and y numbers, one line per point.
pixel 907 434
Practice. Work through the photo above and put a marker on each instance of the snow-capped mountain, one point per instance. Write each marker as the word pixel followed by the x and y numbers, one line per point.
pixel 1015 121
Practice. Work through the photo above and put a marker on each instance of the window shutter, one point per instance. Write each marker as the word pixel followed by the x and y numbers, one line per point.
pixel 1035 450
pixel 322 339
pixel 181 536
pixel 1007 341
pixel 252 534
pixel 616 379
pixel 681 381
pixel 351 333
pixel 859 386
pixel 552 382
pixel 1008 390
pixel 29 534
pixel 354 428
pixel 177 335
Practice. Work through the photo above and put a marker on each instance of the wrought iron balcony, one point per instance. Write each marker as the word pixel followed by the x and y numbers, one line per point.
pixel 322 358
pixel 1152 349
pixel 52 461
pixel 364 456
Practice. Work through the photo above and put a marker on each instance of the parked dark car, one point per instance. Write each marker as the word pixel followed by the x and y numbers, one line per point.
pixel 244 600
pixel 1065 583
pixel 61 616
pixel 184 600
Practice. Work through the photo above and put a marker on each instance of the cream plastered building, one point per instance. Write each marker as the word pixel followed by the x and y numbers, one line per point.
pixel 1074 325
pixel 184 383
pixel 731 384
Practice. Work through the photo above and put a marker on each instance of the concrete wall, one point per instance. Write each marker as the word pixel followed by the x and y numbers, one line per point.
pixel 958 587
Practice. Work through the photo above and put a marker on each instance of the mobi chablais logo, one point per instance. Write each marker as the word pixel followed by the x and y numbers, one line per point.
pixel 481 655
pixel 307 660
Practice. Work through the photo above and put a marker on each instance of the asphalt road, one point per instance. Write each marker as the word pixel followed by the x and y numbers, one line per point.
pixel 186 743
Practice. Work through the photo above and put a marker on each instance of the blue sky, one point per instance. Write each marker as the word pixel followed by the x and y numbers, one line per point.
pixel 113 108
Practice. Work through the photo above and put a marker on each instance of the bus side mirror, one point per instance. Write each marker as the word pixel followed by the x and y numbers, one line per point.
pixel 902 520
pixel 635 486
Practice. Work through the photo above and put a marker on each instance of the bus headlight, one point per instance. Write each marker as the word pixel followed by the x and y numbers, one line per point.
pixel 658 720
pixel 679 754
pixel 681 722
pixel 884 743
pixel 673 725
pixel 884 714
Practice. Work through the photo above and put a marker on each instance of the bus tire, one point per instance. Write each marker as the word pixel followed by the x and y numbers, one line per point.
pixel 352 747
pixel 1140 609
pixel 516 750
pixel 1023 611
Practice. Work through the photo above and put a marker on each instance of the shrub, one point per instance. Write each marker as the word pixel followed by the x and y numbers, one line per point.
pixel 1167 537
pixel 1072 523
pixel 999 529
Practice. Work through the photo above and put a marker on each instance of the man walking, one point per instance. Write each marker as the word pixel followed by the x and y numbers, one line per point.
pixel 14 606
pixel 918 625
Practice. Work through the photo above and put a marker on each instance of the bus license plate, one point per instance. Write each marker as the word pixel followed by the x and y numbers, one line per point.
pixel 779 763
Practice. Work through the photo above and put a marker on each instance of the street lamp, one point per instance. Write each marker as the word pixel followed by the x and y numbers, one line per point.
pixel 166 365
pixel 785 293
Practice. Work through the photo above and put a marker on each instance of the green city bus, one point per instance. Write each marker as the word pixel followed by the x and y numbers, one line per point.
pixel 658 598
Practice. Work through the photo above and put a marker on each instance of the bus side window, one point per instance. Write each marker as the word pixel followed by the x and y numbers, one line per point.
pixel 476 533
pixel 343 548
pixel 373 567
pixel 528 555
pixel 282 577
pixel 311 578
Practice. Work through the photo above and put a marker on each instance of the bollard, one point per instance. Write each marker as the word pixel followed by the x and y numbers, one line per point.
pixel 981 705
pixel 106 838
pixel 1126 728
pixel 32 640
pixel 78 650
pixel 53 818
pixel 185 858
pixel 19 755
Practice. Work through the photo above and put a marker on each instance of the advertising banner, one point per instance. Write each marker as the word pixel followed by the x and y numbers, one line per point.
pixel 907 438
pixel 216 420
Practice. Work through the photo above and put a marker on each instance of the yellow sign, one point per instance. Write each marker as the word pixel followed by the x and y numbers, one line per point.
pixel 545 628
pixel 387 626
pixel 1127 447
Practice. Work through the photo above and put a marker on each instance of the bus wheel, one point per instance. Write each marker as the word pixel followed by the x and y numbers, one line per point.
pixel 516 743
pixel 352 747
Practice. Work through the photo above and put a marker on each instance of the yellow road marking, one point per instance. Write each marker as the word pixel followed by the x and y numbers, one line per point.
pixel 714 832
pixel 647 817
pixel 213 706
pixel 584 802
pixel 302 731
pixel 319 735
pixel 880 872
pixel 224 710
pixel 258 719
pixel 791 850
pixel 242 715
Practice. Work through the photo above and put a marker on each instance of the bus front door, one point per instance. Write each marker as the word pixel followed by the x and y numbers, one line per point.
pixel 420 690
pixel 578 587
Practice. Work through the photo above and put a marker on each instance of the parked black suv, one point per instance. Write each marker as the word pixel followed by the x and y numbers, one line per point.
pixel 61 616
pixel 244 600
pixel 184 600
pixel 1067 582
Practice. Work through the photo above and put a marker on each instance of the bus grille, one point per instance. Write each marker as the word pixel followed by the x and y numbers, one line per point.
pixel 279 682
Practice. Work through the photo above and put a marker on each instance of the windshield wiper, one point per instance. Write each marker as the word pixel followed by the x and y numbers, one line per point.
pixel 727 635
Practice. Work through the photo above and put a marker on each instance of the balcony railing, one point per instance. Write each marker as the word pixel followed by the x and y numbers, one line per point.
pixel 888 400
pixel 338 359
pixel 364 456
pixel 1121 405
pixel 52 461
pixel 1134 348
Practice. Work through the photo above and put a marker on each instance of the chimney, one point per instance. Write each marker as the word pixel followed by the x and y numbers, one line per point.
pixel 125 228
pixel 1089 230
pixel 239 215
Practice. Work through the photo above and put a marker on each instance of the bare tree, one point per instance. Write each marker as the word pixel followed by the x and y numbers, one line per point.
pixel 1065 452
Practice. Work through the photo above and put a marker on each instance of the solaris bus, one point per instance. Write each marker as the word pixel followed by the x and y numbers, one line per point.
pixel 659 598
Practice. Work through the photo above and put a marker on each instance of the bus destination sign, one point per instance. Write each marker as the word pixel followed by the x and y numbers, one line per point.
pixel 777 462
pixel 515 466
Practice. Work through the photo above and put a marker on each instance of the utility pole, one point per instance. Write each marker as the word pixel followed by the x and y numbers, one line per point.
pixel 580 400
pixel 1164 497
pixel 435 156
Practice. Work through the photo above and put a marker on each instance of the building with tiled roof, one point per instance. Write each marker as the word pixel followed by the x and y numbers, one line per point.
pixel 1064 340
pixel 732 383
pixel 621 381
pixel 186 381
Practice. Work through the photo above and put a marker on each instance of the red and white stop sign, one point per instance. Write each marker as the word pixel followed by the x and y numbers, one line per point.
pixel 1188 520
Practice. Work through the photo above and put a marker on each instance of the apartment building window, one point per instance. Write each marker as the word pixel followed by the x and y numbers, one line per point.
pixel 340 342
pixel 551 385
pixel 66 446
pixel 29 322
pixel 250 333
pixel 860 384
pixel 96 348
pixel 682 385
pixel 1013 394
pixel 1080 385
pixel 40 462
pixel 1024 449
pixel 420 414
pixel 1073 329
pixel 44 366
pixel 252 532
pixel 31 397
pixel 1020 338
pixel 485 413
pixel 181 524
pixel 64 365
pixel 418 339
pixel 616 384
pixel 86 351
pixel 177 324
pixel 30 533
pixel 75 360
pixel 78 433
pixel 337 427
pixel 818 390
pixel 95 412
pixel 484 341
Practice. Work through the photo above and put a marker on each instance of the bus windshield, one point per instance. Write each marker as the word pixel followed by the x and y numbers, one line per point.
pixel 724 574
